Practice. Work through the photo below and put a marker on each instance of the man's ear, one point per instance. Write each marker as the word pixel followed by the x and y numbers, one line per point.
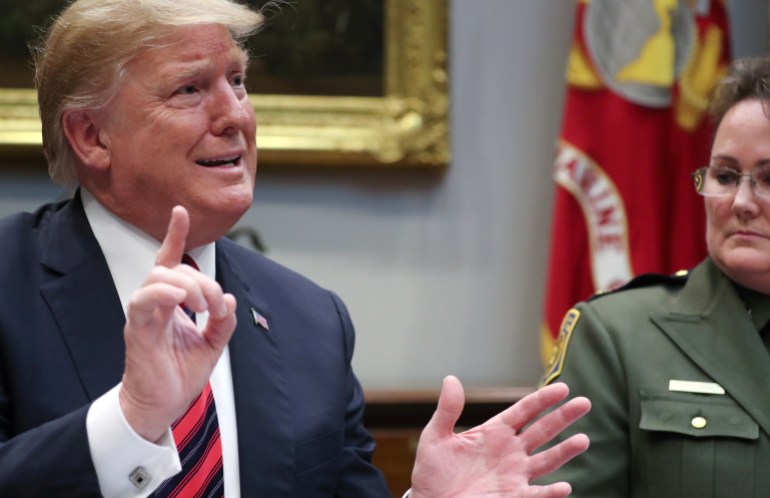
pixel 85 136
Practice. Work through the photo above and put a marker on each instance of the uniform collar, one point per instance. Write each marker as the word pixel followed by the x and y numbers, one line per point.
pixel 757 304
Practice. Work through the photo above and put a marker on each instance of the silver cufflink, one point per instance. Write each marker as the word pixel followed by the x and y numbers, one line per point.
pixel 140 477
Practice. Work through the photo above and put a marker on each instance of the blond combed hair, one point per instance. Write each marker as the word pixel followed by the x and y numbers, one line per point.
pixel 80 62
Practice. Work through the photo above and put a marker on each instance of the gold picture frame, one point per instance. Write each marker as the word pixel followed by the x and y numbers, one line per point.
pixel 407 127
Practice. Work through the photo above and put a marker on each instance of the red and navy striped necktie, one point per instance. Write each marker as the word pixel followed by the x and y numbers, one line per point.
pixel 196 434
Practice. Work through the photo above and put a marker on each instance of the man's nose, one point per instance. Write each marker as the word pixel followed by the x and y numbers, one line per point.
pixel 228 110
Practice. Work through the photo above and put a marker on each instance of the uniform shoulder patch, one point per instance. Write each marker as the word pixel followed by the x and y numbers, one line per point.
pixel 556 363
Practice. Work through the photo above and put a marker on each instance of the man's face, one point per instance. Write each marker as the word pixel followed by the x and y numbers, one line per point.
pixel 180 130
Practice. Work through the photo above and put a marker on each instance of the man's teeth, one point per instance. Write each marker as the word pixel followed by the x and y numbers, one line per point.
pixel 219 162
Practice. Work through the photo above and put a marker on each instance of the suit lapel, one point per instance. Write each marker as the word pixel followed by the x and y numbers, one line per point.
pixel 266 440
pixel 83 299
pixel 709 323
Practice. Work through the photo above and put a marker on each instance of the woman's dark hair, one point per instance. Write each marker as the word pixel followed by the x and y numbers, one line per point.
pixel 749 79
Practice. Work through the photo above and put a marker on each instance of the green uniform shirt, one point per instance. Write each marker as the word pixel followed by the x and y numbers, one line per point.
pixel 679 379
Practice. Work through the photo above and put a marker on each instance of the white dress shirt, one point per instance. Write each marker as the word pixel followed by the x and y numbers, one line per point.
pixel 117 451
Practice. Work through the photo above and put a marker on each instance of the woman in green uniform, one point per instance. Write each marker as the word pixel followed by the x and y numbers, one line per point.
pixel 677 367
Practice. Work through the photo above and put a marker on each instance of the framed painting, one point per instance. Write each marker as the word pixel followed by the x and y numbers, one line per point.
pixel 333 82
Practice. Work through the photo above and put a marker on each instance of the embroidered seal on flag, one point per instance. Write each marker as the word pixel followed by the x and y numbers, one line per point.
pixel 640 47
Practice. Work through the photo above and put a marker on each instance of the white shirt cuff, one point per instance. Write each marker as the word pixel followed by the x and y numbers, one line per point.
pixel 127 465
pixel 408 492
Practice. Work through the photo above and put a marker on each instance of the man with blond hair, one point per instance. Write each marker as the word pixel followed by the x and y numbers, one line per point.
pixel 232 375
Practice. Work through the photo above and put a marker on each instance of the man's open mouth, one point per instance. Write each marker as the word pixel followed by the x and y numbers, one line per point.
pixel 231 161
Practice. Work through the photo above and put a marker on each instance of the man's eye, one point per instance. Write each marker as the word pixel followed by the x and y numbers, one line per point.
pixel 187 90
pixel 239 80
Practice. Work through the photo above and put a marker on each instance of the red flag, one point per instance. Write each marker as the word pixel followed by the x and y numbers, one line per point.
pixel 638 81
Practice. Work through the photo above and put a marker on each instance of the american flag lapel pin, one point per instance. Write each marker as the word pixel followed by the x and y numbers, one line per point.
pixel 259 320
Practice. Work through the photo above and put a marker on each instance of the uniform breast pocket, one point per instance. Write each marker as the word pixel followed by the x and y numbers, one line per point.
pixel 696 445
pixel 696 415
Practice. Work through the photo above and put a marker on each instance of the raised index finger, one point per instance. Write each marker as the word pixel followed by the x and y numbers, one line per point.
pixel 172 248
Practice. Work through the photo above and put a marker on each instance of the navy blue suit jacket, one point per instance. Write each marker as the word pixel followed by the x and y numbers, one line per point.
pixel 298 404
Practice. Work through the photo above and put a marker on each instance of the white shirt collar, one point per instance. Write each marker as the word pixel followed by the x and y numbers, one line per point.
pixel 130 252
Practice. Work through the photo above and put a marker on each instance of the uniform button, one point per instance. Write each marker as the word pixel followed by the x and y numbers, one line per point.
pixel 698 422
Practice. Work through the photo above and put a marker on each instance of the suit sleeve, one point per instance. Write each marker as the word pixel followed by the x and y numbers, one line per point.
pixel 589 363
pixel 50 460
pixel 358 477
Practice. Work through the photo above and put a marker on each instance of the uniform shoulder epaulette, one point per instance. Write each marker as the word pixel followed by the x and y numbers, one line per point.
pixel 648 280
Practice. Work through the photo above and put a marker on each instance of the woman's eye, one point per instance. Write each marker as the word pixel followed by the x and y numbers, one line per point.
pixel 762 177
pixel 726 177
